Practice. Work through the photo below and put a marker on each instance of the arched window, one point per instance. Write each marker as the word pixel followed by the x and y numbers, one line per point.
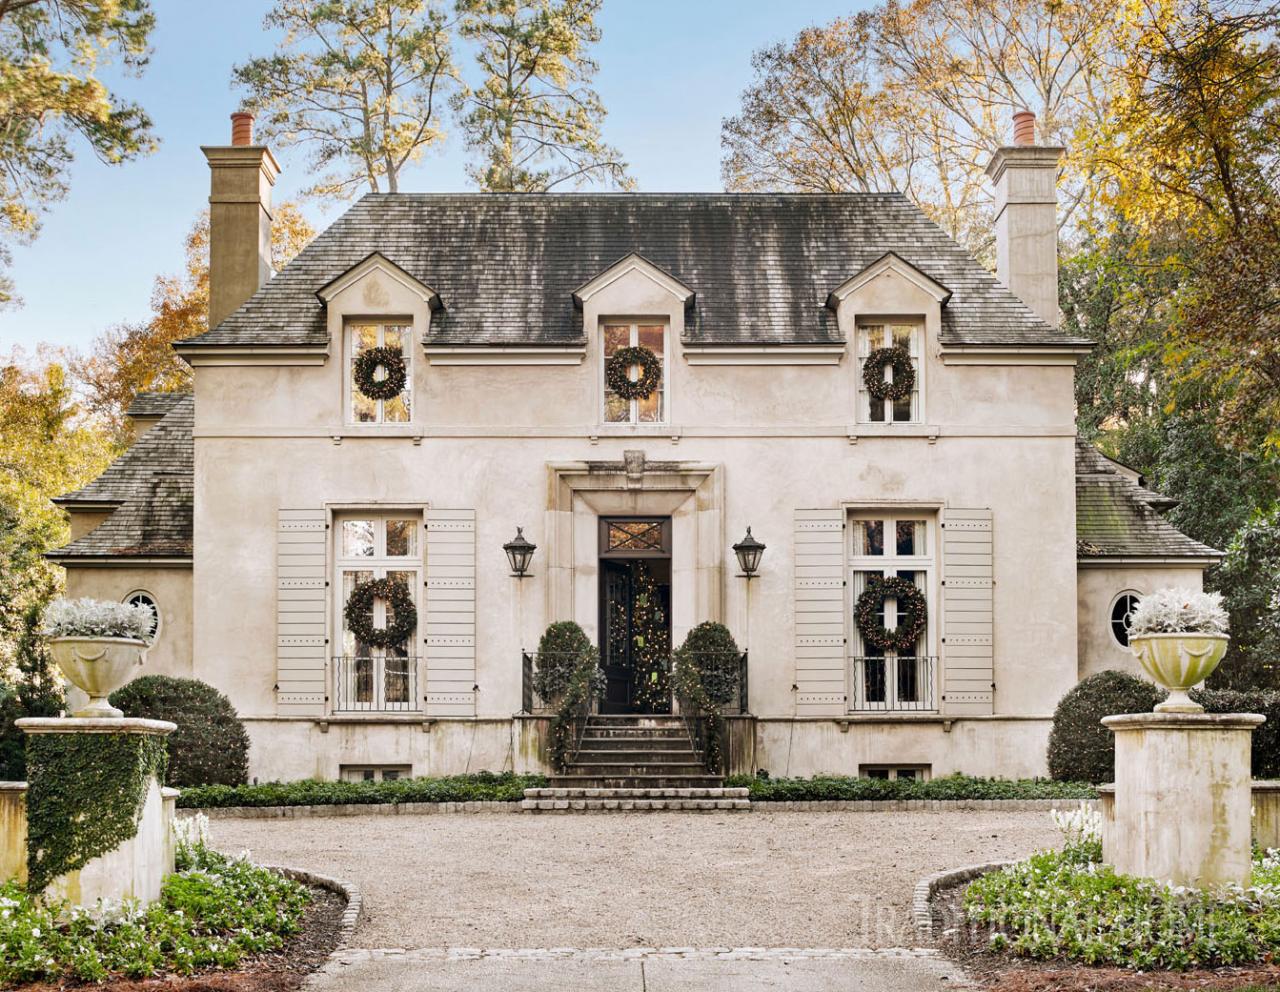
pixel 140 597
pixel 1121 609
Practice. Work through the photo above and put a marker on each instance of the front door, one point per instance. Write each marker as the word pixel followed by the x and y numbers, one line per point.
pixel 635 615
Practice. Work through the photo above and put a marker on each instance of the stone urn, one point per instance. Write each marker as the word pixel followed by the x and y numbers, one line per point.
pixel 1179 662
pixel 99 666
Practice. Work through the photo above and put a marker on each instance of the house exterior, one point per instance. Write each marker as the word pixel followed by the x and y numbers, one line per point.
pixel 249 511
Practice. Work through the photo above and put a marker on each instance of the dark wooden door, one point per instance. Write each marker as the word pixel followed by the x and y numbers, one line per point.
pixel 615 641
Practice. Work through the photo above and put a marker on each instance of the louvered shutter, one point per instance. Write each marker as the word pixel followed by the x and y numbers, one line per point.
pixel 819 613
pixel 967 659
pixel 301 601
pixel 450 629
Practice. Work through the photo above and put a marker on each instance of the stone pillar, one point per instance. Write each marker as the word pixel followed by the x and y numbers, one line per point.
pixel 63 783
pixel 1182 797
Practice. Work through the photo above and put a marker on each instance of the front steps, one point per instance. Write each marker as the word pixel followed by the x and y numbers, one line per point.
pixel 635 763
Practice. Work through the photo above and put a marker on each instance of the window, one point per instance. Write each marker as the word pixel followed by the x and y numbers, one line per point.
pixel 918 773
pixel 906 334
pixel 361 337
pixel 883 544
pixel 376 546
pixel 1121 611
pixel 140 597
pixel 653 408
pixel 374 773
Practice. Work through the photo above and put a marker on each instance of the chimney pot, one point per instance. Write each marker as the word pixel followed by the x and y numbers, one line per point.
pixel 1024 128
pixel 242 128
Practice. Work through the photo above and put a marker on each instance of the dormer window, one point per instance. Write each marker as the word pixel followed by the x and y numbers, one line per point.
pixel 362 336
pixel 872 335
pixel 650 409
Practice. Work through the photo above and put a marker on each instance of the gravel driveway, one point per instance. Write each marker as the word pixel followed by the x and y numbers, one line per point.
pixel 650 879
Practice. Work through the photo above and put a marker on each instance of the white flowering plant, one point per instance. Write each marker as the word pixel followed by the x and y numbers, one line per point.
pixel 98 618
pixel 1179 611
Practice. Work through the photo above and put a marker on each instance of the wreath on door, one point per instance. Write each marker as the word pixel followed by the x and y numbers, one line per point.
pixel 359 612
pixel 617 372
pixel 904 374
pixel 395 375
pixel 913 614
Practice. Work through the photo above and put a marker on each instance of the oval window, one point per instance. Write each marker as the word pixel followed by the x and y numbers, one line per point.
pixel 1121 611
pixel 142 598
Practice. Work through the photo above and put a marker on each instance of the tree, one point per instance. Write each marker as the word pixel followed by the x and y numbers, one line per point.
pixel 358 82
pixel 1249 580
pixel 534 122
pixel 50 96
pixel 130 358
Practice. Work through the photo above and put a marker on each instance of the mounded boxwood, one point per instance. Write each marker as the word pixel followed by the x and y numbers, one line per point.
pixel 502 787
pixel 1266 739
pixel 210 746
pixel 563 647
pixel 714 653
pixel 1081 749
pixel 824 788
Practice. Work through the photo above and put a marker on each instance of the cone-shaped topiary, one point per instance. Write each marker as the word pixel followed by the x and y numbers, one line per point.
pixel 1081 749
pixel 210 746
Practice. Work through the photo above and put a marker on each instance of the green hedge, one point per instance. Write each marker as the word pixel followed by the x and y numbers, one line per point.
pixel 480 787
pixel 822 788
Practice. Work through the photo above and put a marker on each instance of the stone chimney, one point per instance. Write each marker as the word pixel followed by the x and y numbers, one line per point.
pixel 240 181
pixel 1025 176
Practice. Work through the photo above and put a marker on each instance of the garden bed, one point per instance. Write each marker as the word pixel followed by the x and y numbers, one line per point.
pixel 482 787
pixel 845 788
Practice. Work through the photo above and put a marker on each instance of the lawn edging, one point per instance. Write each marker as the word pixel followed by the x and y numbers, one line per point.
pixel 931 885
pixel 347 890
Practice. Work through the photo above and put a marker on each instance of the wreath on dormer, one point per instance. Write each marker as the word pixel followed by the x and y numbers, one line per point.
pixel 617 372
pixel 358 612
pixel 394 373
pixel 913 614
pixel 904 374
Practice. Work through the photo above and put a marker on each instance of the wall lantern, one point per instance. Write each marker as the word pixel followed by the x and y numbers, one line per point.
pixel 519 552
pixel 749 552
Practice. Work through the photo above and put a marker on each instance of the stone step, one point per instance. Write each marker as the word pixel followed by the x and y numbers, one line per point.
pixel 655 722
pixel 643 756
pixel 542 806
pixel 635 768
pixel 717 792
pixel 673 781
pixel 635 733
pixel 627 742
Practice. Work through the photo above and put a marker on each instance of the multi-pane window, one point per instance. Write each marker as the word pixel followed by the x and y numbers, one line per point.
pixel 377 546
pixel 651 409
pixel 884 545
pixel 1121 614
pixel 360 338
pixel 904 334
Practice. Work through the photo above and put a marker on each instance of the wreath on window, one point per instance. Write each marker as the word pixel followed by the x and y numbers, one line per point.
pixel 391 361
pixel 617 372
pixel 359 612
pixel 904 374
pixel 913 614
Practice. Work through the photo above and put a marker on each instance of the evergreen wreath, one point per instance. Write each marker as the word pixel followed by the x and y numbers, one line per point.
pixel 904 374
pixel 359 612
pixel 617 372
pixel 369 361
pixel 913 614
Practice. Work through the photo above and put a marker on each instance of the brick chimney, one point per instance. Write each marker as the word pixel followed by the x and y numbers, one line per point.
pixel 240 181
pixel 1025 176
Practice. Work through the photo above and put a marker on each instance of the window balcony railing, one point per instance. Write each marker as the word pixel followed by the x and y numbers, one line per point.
pixel 893 685
pixel 375 684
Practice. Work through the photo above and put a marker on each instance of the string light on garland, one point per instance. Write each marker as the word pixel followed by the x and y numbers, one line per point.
pixel 617 372
pixel 650 643
pixel 395 374
pixel 904 374
pixel 913 614
pixel 403 617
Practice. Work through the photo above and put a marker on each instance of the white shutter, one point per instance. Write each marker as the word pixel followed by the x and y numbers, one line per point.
pixel 450 630
pixel 302 646
pixel 819 613
pixel 968 673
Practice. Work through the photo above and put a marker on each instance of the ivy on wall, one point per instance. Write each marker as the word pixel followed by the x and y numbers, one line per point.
pixel 85 795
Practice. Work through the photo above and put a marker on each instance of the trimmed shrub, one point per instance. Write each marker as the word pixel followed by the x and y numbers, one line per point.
pixel 563 647
pixel 823 788
pixel 210 746
pixel 1266 739
pixel 714 654
pixel 1081 749
pixel 500 787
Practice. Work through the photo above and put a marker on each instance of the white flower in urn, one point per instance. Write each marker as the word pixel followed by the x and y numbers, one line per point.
pixel 98 644
pixel 1179 636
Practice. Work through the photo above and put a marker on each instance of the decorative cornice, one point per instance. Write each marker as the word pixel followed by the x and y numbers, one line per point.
pixel 505 354
pixel 207 355
pixel 1065 353
pixel 763 354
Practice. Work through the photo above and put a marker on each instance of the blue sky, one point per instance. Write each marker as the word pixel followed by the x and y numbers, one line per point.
pixel 669 71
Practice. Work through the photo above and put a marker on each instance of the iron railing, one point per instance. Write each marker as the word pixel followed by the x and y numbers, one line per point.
pixel 375 684
pixel 893 685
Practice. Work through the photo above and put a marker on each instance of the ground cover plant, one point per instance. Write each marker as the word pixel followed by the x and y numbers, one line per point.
pixel 213 913
pixel 843 787
pixel 478 787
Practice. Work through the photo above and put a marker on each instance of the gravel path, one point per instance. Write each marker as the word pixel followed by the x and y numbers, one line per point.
pixel 649 879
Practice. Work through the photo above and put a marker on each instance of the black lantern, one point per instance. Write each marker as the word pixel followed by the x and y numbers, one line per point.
pixel 519 552
pixel 749 552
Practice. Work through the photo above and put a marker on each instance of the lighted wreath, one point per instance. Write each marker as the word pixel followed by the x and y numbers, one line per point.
pixel 904 374
pixel 913 614
pixel 617 372
pixel 391 361
pixel 359 612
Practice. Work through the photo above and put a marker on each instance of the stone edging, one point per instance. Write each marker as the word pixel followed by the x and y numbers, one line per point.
pixel 348 890
pixel 930 885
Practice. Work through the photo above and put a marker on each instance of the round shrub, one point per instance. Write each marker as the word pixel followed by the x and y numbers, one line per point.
pixel 564 646
pixel 210 746
pixel 1081 749
pixel 714 654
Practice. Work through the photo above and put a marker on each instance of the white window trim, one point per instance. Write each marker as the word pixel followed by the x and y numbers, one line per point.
pixel 635 323
pixel 383 321
pixel 1111 631
pixel 155 602
pixel 862 400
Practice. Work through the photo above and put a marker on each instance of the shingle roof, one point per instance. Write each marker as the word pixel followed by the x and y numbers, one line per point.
pixel 1118 518
pixel 506 265
pixel 156 404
